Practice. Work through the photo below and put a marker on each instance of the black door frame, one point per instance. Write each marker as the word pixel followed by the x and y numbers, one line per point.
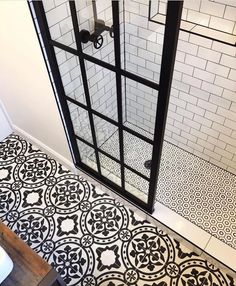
pixel 173 18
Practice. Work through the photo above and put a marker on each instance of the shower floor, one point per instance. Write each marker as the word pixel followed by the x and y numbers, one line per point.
pixel 199 191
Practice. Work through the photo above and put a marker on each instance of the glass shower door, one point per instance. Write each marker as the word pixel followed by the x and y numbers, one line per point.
pixel 114 108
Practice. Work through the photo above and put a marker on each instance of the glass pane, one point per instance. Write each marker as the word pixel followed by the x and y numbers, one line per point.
pixel 141 103
pixel 107 137
pixel 136 185
pixel 60 22
pixel 136 153
pixel 80 120
pixel 110 169
pixel 86 153
pixel 95 23
pixel 71 75
pixel 143 41
pixel 102 89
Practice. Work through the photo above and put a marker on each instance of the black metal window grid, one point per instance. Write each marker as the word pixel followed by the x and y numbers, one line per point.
pixel 168 58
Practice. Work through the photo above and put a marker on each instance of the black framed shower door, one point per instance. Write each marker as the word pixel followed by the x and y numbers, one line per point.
pixel 85 141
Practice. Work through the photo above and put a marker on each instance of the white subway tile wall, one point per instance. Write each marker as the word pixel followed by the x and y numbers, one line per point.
pixel 202 111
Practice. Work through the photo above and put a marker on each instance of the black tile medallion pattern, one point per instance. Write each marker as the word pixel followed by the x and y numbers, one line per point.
pixel 87 236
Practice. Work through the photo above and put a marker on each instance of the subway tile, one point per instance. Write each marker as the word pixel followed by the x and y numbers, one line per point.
pixel 214 117
pixel 48 5
pixel 219 101
pixel 191 80
pixel 131 29
pixel 212 154
pixel 184 112
pixel 181 126
pixel 232 75
pixel 180 85
pixel 226 83
pixel 155 48
pixel 198 93
pixel 198 134
pixel 198 18
pixel 200 41
pixel 195 109
pixel 188 136
pixel 230 123
pixel 195 146
pixel 180 56
pixel 224 48
pixel 137 60
pixel 222 129
pixel 188 98
pixel 145 72
pixel 230 95
pixel 192 123
pixel 147 34
pixel 223 153
pixel 175 116
pixel 221 24
pixel 195 61
pixel 209 55
pixel 136 41
pixel 138 20
pixel 212 8
pixel 187 47
pixel 202 120
pixel 210 131
pixel 206 105
pixel 217 69
pixel 147 55
pixel 205 144
pixel 183 68
pixel 211 88
pixel 227 139
pixel 203 75
pixel 228 61
pixel 230 13
pixel 227 113
pixel 216 142
pixel 193 5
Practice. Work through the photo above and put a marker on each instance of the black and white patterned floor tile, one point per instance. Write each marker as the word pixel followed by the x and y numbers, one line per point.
pixel 197 190
pixel 87 236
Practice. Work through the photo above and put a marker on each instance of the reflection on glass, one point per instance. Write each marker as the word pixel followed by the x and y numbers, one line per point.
pixel 136 185
pixel 86 153
pixel 80 120
pixel 136 153
pixel 110 169
pixel 71 75
pixel 107 137
pixel 102 89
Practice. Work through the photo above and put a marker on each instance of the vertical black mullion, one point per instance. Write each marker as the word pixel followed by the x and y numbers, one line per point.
pixel 61 99
pixel 84 78
pixel 173 18
pixel 116 28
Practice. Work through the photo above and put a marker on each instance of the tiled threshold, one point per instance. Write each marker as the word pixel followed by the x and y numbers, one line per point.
pixel 161 219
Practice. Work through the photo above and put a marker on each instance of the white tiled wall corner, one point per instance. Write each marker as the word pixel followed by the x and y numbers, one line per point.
pixel 201 116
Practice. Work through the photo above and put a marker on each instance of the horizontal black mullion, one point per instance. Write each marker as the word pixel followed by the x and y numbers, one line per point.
pixel 140 79
pixel 113 186
pixel 64 47
pixel 104 117
pixel 140 136
pixel 96 61
pixel 112 158
pixel 112 121
pixel 99 62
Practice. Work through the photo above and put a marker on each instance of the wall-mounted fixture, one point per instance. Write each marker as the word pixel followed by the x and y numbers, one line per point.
pixel 99 27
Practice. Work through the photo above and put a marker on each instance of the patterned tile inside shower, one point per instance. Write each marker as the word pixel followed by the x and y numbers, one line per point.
pixel 89 237
pixel 197 190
